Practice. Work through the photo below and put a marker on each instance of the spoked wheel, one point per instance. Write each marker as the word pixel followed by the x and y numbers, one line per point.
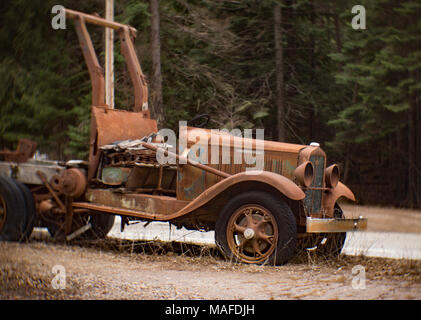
pixel 256 227
pixel 252 233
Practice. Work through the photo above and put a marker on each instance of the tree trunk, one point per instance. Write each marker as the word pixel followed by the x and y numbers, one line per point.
pixel 280 106
pixel 338 36
pixel 156 79
pixel 411 158
pixel 313 117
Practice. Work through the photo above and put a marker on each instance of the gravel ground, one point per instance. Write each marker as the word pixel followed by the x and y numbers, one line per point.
pixel 131 270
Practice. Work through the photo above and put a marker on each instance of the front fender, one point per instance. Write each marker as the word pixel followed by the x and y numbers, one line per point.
pixel 279 182
pixel 333 195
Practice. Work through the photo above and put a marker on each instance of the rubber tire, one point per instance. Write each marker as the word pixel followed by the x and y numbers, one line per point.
pixel 101 223
pixel 334 241
pixel 30 210
pixel 287 227
pixel 15 224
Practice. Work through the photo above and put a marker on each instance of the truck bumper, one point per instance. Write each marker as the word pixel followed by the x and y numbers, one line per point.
pixel 318 225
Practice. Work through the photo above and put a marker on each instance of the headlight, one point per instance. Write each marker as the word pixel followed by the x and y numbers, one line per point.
pixel 304 174
pixel 332 176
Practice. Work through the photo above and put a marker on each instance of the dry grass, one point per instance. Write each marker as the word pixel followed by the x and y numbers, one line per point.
pixel 108 269
pixel 25 269
pixel 199 256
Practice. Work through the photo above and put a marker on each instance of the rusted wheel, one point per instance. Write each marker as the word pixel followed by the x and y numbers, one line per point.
pixel 256 227
pixel 252 233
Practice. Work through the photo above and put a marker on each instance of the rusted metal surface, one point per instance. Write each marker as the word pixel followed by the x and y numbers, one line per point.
pixel 313 202
pixel 191 135
pixel 25 150
pixel 168 208
pixel 96 72
pixel 136 75
pixel 26 172
pixel 131 158
pixel 72 182
pixel 318 225
pixel 116 210
pixel 252 233
pixel 127 36
pixel 109 125
pixel 148 176
pixel 304 174
pixel 151 204
pixel 278 157
pixel 72 14
pixel 331 196
pixel 332 176
pixel 43 178
pixel 45 206
pixel 68 220
pixel 191 182
pixel 186 160
pixel 115 176
pixel 278 182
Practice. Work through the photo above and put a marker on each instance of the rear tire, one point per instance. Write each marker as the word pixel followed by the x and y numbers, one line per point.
pixel 257 227
pixel 12 211
pixel 30 210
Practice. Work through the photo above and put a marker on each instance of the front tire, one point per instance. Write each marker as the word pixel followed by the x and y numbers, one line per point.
pixel 325 244
pixel 257 227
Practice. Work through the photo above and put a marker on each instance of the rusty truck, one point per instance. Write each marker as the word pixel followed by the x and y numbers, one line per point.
pixel 258 217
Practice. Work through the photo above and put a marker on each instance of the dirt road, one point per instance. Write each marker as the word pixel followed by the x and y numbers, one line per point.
pixel 133 270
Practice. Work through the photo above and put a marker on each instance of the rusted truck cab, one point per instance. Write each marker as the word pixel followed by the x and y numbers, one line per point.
pixel 207 182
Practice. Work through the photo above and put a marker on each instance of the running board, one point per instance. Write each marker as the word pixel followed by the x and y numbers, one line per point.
pixel 119 211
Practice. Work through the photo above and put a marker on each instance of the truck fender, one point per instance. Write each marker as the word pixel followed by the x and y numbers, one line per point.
pixel 330 197
pixel 285 186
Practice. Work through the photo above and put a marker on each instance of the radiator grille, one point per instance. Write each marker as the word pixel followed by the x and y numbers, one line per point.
pixel 313 199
